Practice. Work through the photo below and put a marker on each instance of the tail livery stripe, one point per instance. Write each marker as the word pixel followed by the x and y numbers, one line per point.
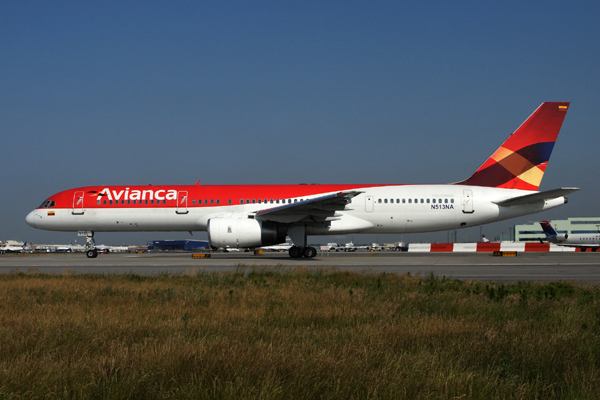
pixel 548 229
pixel 521 161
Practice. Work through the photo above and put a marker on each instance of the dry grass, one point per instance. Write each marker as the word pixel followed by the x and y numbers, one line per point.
pixel 300 333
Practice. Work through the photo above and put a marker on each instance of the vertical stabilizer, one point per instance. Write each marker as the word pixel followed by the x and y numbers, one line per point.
pixel 521 161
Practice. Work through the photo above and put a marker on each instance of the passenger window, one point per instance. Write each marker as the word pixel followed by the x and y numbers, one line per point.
pixel 403 201
pixel 410 200
pixel 104 201
pixel 212 201
pixel 451 200
pixel 427 201
pixel 229 201
pixel 446 201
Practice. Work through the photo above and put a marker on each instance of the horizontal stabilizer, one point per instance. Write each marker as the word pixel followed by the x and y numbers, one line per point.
pixel 537 196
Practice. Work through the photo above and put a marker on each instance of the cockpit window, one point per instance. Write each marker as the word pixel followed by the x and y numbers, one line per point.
pixel 48 204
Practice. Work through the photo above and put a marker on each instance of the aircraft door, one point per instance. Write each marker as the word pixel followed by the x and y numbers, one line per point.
pixel 77 203
pixel 369 203
pixel 467 202
pixel 182 201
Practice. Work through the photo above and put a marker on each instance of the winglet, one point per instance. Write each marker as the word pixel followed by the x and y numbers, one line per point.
pixel 521 161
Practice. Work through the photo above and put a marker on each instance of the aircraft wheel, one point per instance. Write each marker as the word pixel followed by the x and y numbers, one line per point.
pixel 295 252
pixel 309 252
pixel 92 253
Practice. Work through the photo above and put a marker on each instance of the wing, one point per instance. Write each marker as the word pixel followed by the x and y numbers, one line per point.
pixel 537 196
pixel 319 209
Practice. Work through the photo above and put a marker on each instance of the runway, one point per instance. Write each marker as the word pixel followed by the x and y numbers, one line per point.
pixel 543 267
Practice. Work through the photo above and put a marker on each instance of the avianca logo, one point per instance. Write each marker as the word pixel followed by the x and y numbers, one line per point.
pixel 160 194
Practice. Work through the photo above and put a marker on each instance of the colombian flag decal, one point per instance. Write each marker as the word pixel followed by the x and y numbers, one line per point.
pixel 50 213
pixel 563 108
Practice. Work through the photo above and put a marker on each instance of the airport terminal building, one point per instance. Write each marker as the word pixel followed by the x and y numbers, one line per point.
pixel 533 232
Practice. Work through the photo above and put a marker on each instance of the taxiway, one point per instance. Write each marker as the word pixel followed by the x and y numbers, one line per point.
pixel 475 266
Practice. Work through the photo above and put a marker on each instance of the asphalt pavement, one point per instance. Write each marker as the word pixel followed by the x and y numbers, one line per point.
pixel 584 267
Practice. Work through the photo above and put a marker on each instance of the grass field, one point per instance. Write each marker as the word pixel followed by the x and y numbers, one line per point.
pixel 295 333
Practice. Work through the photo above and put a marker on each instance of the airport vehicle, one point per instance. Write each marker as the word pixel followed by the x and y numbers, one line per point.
pixel 249 216
pixel 581 241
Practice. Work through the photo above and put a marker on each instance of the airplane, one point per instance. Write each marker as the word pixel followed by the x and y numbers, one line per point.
pixel 12 246
pixel 582 241
pixel 251 216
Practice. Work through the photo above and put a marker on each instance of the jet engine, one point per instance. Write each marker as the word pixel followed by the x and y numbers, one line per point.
pixel 244 232
pixel 561 237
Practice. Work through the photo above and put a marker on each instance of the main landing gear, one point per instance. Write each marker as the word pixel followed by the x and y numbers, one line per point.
pixel 306 252
pixel 90 246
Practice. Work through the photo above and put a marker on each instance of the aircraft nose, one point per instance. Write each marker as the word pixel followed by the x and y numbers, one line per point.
pixel 30 219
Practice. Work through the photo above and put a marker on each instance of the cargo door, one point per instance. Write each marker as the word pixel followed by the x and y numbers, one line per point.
pixel 77 203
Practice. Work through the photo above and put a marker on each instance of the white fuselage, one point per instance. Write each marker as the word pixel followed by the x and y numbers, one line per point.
pixel 381 209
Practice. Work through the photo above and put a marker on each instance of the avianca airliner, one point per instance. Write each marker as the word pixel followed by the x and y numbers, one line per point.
pixel 246 216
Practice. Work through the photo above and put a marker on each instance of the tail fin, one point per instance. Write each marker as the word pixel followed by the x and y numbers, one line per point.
pixel 521 161
pixel 548 229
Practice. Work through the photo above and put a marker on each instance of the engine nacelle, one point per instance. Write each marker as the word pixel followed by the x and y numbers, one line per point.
pixel 244 232
pixel 561 237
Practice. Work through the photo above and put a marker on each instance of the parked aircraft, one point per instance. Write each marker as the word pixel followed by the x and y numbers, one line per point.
pixel 582 240
pixel 12 246
pixel 246 216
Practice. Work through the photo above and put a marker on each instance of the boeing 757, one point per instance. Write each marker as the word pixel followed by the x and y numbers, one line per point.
pixel 247 216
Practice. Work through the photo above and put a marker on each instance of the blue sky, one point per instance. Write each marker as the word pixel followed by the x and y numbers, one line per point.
pixel 287 92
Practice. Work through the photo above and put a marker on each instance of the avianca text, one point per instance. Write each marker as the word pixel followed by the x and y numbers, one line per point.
pixel 161 194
